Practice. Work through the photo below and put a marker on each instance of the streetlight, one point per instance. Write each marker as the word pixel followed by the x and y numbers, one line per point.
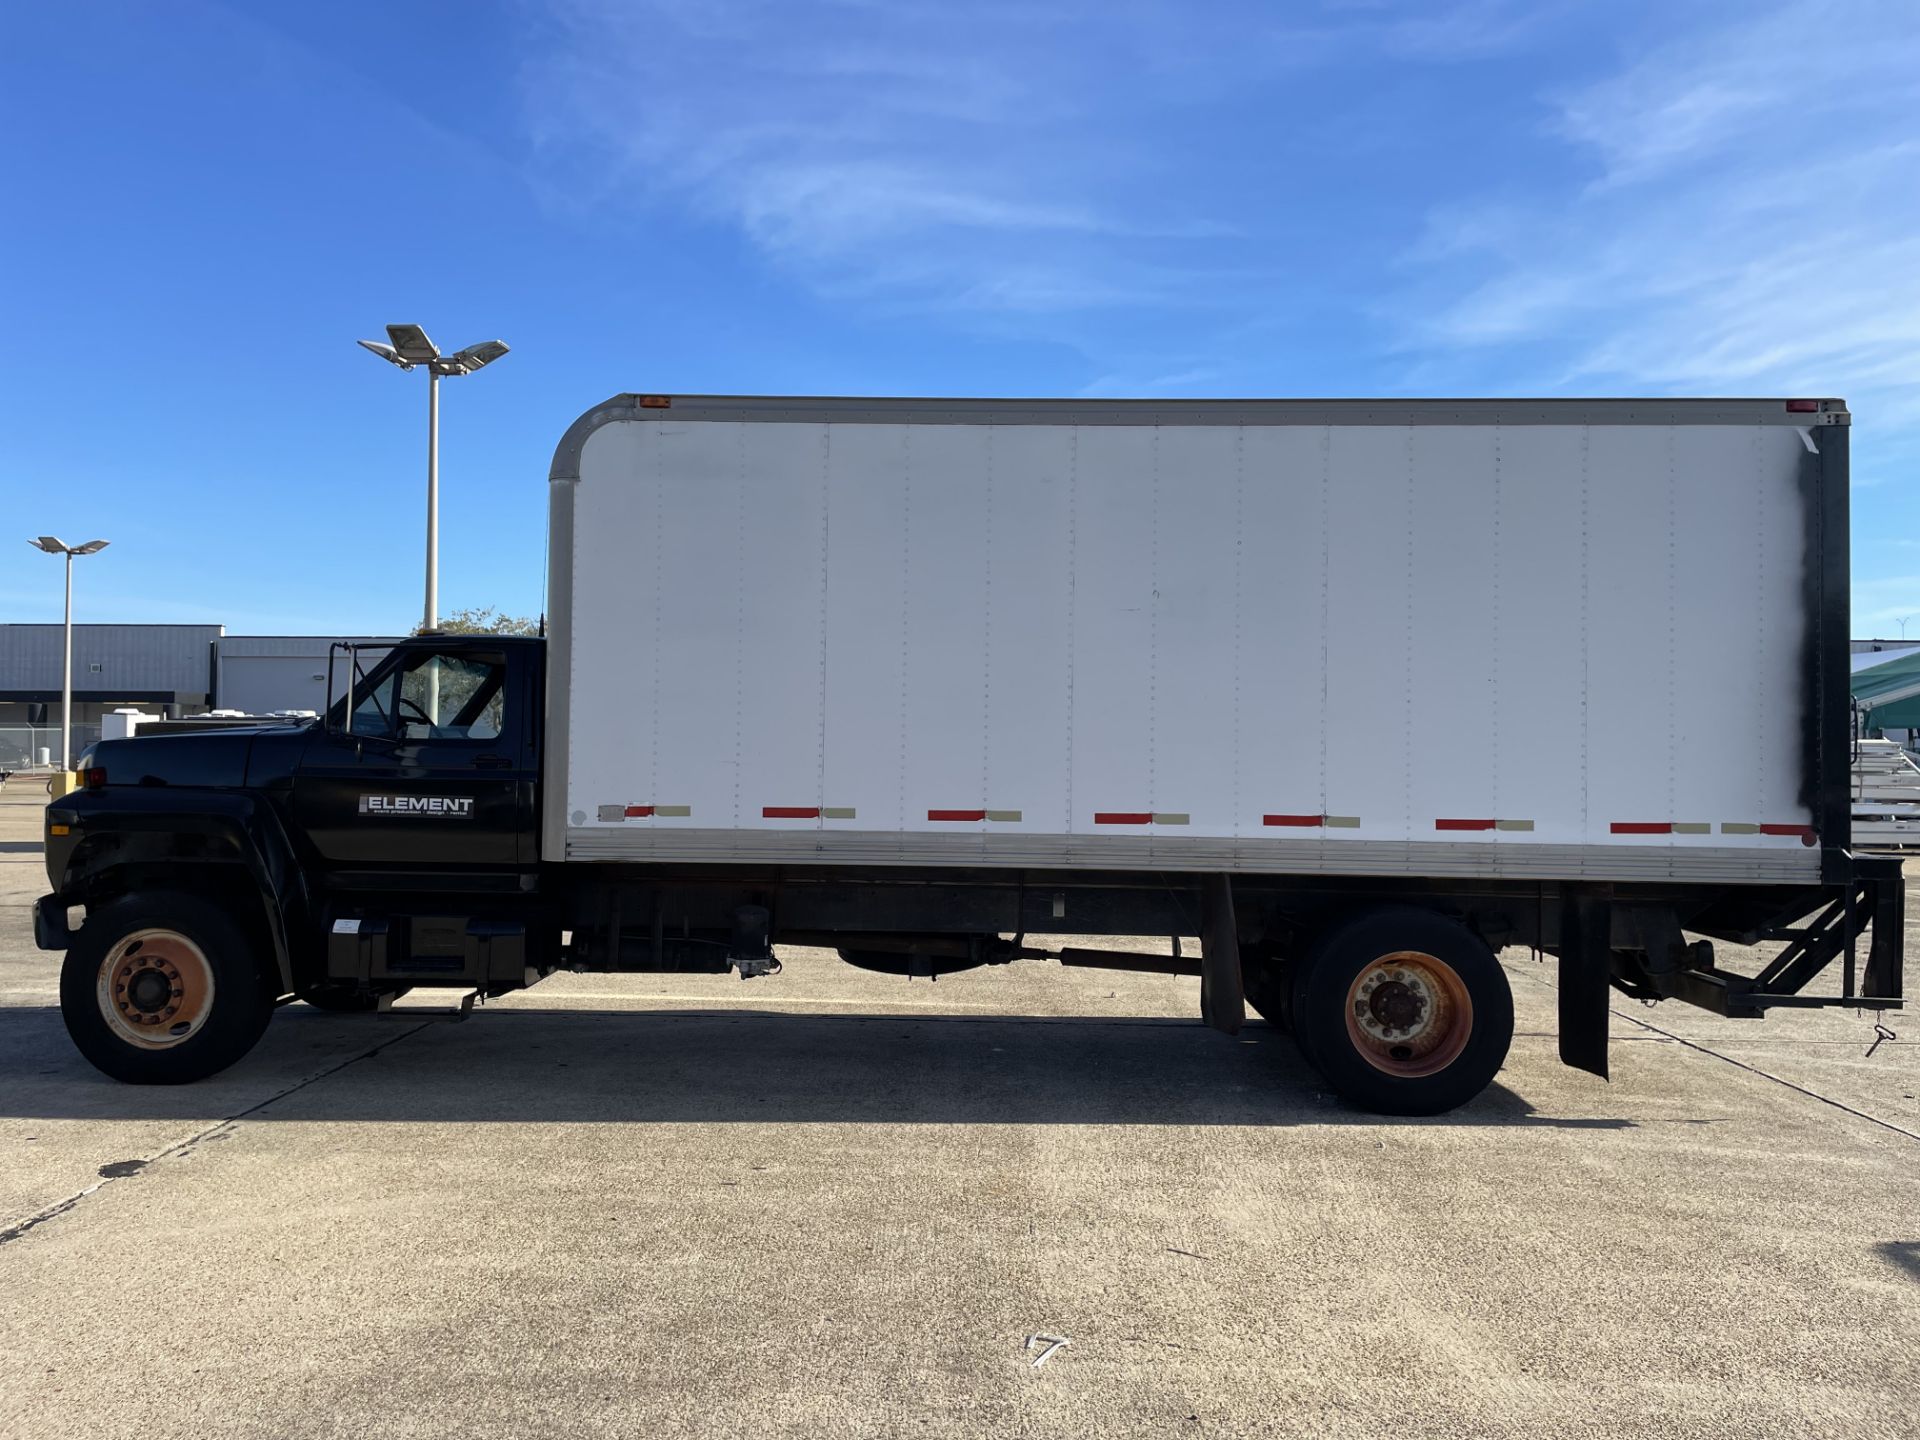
pixel 411 347
pixel 60 547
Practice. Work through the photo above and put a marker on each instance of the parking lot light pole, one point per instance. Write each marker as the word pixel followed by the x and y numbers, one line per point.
pixel 410 347
pixel 59 547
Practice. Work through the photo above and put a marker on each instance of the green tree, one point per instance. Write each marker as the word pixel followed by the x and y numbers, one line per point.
pixel 484 620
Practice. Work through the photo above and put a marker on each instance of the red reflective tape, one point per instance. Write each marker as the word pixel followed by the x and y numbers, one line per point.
pixel 639 812
pixel 1805 832
pixel 1642 827
pixel 791 812
pixel 956 814
pixel 1123 817
pixel 1301 820
pixel 1463 824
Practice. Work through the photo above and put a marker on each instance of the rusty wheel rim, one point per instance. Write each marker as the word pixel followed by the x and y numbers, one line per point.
pixel 1409 1014
pixel 156 988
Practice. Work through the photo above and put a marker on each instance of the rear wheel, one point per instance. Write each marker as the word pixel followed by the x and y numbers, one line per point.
pixel 1403 1011
pixel 161 989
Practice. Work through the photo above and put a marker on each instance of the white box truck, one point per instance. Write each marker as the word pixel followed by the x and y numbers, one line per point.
pixel 1353 692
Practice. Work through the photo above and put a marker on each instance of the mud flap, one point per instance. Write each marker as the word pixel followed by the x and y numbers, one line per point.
pixel 1586 967
pixel 1223 995
pixel 50 930
pixel 1886 899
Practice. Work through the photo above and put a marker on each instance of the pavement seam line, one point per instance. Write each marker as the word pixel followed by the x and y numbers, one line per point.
pixel 1767 1075
pixel 1741 1064
pixel 61 1207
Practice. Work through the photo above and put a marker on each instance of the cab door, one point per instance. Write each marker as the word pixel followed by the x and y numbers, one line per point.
pixel 429 766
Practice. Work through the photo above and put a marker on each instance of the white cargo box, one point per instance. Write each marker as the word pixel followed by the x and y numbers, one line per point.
pixel 1528 639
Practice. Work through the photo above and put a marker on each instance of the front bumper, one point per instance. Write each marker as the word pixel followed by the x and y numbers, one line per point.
pixel 50 930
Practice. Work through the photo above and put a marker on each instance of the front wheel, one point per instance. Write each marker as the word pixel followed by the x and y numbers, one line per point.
pixel 1403 1011
pixel 163 989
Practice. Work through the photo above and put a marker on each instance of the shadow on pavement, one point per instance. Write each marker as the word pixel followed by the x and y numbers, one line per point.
pixel 1904 1253
pixel 719 1066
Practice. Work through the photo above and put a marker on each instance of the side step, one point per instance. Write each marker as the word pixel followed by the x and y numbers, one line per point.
pixel 452 1014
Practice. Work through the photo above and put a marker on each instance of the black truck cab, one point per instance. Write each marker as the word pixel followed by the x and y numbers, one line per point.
pixel 393 841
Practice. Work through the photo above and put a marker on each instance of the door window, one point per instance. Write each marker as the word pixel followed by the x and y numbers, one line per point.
pixel 430 696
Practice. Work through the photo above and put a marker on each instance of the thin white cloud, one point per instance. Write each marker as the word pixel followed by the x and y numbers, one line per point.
pixel 889 149
pixel 1469 30
pixel 1797 77
pixel 1422 30
pixel 1174 382
pixel 1749 221
pixel 1000 157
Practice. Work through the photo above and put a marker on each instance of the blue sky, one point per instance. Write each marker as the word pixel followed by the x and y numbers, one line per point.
pixel 210 202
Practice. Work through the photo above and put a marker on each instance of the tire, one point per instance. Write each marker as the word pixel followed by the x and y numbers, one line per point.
pixel 163 989
pixel 346 999
pixel 1403 1012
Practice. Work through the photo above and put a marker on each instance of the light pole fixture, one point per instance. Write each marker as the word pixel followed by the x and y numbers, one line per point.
pixel 410 347
pixel 60 547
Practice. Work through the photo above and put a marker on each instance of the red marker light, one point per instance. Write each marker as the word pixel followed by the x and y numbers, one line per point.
pixel 95 778
pixel 1803 407
pixel 656 402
